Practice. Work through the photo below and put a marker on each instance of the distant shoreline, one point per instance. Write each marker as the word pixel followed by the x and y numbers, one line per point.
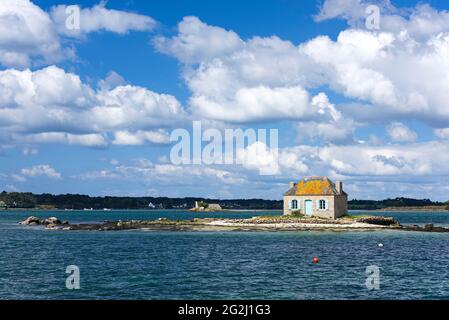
pixel 418 209
pixel 387 209
pixel 31 201
pixel 147 210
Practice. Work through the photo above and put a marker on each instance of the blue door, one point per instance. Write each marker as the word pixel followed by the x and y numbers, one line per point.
pixel 309 208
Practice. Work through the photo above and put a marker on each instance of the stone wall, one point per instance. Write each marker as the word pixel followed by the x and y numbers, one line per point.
pixel 328 213
pixel 341 206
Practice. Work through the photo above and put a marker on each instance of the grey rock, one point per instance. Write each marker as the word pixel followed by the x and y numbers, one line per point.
pixel 52 220
pixel 30 220
pixel 382 221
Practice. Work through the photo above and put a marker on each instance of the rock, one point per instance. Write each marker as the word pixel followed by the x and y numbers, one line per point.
pixel 65 222
pixel 162 219
pixel 32 220
pixel 428 226
pixel 382 221
pixel 52 220
pixel 51 226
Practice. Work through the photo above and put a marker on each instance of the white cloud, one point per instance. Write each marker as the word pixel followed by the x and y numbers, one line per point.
pixel 41 170
pixel 347 9
pixel 100 18
pixel 269 78
pixel 198 41
pixel 167 174
pixel 29 151
pixel 112 80
pixel 86 140
pixel 420 22
pixel 18 178
pixel 364 162
pixel 259 156
pixel 339 132
pixel 255 104
pixel 51 105
pixel 400 76
pixel 336 130
pixel 55 87
pixel 140 137
pixel 232 80
pixel 347 62
pixel 134 107
pixel 26 31
pixel 401 133
pixel 442 133
pixel 394 169
pixel 30 36
pixel 96 175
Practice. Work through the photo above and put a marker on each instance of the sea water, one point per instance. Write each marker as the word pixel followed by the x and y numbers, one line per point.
pixel 219 265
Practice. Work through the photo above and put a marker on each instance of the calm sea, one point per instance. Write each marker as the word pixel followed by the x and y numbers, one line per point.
pixel 219 265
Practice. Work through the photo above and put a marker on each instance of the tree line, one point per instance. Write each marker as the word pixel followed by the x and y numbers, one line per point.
pixel 29 200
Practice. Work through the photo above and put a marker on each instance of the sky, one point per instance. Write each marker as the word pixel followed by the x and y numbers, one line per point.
pixel 357 96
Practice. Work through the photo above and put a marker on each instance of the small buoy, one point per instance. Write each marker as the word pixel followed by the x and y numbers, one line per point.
pixel 315 260
pixel 380 245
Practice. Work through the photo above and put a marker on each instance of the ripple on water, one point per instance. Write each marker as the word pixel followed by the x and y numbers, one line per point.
pixel 209 265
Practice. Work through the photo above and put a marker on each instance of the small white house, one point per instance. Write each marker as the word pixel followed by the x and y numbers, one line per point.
pixel 316 196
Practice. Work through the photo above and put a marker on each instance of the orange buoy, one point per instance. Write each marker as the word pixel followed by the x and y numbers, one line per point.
pixel 315 260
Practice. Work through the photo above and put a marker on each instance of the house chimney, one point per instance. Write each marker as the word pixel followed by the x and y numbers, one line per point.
pixel 292 184
pixel 339 187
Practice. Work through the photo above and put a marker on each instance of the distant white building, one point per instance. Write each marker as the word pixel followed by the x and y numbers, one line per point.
pixel 151 206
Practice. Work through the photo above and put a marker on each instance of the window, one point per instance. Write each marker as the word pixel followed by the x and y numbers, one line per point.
pixel 322 205
pixel 295 204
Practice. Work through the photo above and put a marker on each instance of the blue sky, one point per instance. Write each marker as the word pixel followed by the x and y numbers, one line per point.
pixel 91 111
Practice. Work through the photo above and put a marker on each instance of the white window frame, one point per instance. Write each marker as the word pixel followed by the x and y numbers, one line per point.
pixel 294 201
pixel 324 202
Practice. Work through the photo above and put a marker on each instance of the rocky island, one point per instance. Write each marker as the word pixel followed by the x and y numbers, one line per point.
pixel 266 223
pixel 201 206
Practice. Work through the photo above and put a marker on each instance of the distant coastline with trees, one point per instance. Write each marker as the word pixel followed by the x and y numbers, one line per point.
pixel 27 200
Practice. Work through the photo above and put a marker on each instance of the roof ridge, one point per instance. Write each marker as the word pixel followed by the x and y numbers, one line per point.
pixel 314 185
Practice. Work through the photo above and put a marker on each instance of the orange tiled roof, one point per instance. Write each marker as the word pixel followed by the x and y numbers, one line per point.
pixel 311 186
